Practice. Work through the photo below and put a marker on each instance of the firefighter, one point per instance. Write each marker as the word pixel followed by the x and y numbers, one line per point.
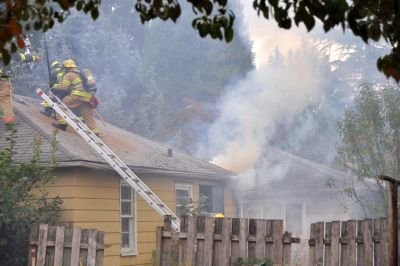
pixel 6 87
pixel 57 71
pixel 78 99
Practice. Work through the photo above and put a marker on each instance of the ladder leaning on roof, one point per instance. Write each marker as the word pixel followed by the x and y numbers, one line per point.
pixel 117 164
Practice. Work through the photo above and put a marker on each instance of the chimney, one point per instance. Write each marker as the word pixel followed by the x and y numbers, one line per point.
pixel 169 152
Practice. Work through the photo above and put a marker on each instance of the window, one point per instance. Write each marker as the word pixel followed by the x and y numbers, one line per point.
pixel 215 198
pixel 128 219
pixel 292 213
pixel 294 218
pixel 183 194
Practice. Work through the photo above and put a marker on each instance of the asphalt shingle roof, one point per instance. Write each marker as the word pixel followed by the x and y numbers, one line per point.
pixel 137 152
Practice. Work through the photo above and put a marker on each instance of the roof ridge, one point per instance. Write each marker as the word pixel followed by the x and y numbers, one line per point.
pixel 60 147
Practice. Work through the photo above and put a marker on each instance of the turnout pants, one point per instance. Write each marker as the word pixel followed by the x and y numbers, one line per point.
pixel 6 101
pixel 84 108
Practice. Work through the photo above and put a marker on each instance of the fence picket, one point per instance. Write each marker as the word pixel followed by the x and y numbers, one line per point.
pixel 75 247
pixel 252 238
pixel 218 256
pixel 41 251
pixel 332 235
pixel 243 238
pixel 287 251
pixel 319 244
pixel 260 238
pixel 191 241
pixel 220 241
pixel 63 245
pixel 200 259
pixel 59 246
pixel 226 241
pixel 92 245
pixel 100 248
pixel 269 239
pixel 311 244
pixel 208 241
pixel 277 248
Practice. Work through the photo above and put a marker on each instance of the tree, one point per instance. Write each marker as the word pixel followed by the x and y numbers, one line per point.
pixel 23 201
pixel 370 142
pixel 370 20
pixel 17 17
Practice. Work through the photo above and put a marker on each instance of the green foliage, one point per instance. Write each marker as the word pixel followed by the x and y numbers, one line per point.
pixel 23 201
pixel 254 261
pixel 370 140
pixel 17 17
pixel 370 20
pixel 194 208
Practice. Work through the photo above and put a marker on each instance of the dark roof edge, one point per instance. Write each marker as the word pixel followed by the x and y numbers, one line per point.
pixel 142 170
pixel 44 134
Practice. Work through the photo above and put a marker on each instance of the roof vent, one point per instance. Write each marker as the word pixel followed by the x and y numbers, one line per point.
pixel 169 152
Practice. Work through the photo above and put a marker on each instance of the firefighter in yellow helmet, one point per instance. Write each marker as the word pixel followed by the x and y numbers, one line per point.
pixel 219 215
pixel 6 106
pixel 57 71
pixel 78 99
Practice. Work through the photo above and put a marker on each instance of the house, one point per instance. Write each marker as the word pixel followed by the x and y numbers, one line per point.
pixel 296 190
pixel 95 196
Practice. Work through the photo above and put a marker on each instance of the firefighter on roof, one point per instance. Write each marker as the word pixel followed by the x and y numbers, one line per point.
pixel 78 99
pixel 6 88
pixel 57 71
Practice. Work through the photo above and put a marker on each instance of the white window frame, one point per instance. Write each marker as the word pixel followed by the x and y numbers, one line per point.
pixel 132 250
pixel 183 186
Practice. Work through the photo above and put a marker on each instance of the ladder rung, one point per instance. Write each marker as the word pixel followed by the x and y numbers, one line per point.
pixel 161 205
pixel 148 192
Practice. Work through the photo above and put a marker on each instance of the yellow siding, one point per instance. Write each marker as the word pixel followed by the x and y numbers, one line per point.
pixel 91 200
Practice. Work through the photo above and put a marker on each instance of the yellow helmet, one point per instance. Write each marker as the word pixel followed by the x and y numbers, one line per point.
pixel 69 63
pixel 219 215
pixel 56 64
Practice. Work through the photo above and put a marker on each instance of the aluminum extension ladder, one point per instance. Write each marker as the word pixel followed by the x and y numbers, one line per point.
pixel 117 164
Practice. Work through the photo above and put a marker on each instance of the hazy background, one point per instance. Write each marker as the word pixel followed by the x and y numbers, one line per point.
pixel 226 103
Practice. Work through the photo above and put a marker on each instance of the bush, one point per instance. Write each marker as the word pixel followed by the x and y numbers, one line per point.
pixel 23 201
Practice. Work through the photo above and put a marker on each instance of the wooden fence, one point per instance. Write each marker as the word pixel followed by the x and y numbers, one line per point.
pixel 207 241
pixel 358 243
pixel 65 246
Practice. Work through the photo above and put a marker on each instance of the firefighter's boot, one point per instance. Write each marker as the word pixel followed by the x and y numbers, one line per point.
pixel 59 126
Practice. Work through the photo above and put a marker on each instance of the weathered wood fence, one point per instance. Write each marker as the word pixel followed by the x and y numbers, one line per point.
pixel 358 243
pixel 207 241
pixel 65 246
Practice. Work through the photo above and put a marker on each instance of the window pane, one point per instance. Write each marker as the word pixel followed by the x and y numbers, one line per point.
pixel 125 225
pixel 294 218
pixel 182 193
pixel 217 199
pixel 126 208
pixel 126 192
pixel 125 240
pixel 273 210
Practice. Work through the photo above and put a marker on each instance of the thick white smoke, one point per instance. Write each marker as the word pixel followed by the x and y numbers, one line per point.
pixel 252 107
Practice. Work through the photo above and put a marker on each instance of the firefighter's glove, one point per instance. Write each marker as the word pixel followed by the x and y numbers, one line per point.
pixel 94 101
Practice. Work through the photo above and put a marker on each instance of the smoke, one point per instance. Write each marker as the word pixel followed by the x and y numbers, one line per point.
pixel 252 109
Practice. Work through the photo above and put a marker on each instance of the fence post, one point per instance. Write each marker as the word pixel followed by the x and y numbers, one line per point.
pixel 311 244
pixel 287 249
pixel 319 244
pixel 392 227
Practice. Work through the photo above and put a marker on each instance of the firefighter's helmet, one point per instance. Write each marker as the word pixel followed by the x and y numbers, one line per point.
pixel 55 64
pixel 69 63
pixel 219 215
